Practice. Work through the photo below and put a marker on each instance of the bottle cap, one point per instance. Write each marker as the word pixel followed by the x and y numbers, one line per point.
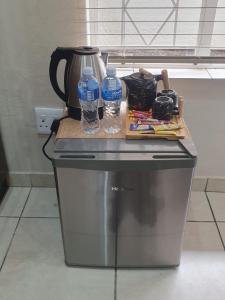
pixel 88 71
pixel 111 71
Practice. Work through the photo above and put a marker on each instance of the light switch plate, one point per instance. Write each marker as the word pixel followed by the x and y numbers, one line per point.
pixel 45 117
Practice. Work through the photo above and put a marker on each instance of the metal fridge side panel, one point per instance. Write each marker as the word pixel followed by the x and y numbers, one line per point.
pixel 58 199
pixel 152 209
pixel 87 212
pixel 189 147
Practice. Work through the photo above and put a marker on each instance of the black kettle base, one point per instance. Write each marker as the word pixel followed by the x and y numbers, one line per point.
pixel 75 113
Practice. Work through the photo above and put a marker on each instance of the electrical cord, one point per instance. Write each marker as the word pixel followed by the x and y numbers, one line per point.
pixel 45 144
pixel 54 129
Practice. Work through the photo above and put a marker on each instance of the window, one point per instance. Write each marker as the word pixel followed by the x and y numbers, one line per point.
pixel 174 30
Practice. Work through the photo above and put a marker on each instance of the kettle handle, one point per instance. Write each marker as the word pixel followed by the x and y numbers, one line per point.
pixel 59 54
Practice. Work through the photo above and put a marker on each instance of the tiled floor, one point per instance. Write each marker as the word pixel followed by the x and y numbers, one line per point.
pixel 32 259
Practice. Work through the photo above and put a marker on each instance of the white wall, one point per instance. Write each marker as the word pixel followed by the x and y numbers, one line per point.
pixel 205 117
pixel 30 31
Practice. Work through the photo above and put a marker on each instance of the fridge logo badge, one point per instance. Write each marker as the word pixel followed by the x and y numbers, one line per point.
pixel 121 189
pixel 115 188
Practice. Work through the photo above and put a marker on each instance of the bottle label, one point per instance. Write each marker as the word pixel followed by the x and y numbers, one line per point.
pixel 90 95
pixel 88 91
pixel 112 85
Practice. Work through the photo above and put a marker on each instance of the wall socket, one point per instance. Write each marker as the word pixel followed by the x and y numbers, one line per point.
pixel 45 117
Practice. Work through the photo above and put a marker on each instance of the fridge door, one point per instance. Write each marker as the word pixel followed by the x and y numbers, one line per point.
pixel 87 207
pixel 151 214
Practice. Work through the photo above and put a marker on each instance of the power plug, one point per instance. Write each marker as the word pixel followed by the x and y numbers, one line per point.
pixel 45 117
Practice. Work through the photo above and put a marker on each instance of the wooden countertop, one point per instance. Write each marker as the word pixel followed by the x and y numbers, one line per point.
pixel 71 129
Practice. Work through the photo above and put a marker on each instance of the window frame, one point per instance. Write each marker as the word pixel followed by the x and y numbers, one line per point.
pixel 202 49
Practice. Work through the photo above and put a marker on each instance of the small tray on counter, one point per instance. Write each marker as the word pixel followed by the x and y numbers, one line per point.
pixel 71 129
pixel 180 133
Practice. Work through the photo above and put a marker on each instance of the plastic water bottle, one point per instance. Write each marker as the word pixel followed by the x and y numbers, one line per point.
pixel 88 90
pixel 112 95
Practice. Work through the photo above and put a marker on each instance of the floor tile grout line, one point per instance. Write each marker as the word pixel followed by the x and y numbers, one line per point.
pixel 14 233
pixel 28 196
pixel 193 221
pixel 40 217
pixel 206 185
pixel 9 217
pixel 223 244
pixel 10 243
pixel 35 217
pixel 218 221
pixel 216 192
pixel 29 217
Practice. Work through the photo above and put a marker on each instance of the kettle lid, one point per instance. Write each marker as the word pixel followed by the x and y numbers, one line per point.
pixel 86 50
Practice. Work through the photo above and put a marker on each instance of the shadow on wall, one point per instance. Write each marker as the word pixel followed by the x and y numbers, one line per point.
pixel 3 170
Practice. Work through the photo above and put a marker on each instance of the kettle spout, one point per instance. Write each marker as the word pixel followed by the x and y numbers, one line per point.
pixel 104 56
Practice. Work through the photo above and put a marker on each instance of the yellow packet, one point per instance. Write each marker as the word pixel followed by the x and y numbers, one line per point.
pixel 165 127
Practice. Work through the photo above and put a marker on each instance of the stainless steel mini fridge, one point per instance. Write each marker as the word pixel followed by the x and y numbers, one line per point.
pixel 123 203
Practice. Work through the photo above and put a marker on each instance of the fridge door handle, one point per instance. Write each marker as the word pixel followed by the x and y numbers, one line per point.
pixel 120 163
pixel 78 156
pixel 172 156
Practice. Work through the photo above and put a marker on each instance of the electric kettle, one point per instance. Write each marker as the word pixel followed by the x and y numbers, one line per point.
pixel 76 60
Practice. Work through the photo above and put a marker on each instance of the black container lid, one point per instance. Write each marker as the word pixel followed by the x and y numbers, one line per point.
pixel 86 50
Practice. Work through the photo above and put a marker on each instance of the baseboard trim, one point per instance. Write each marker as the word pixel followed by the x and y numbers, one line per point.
pixel 199 184
pixel 36 179
pixel 40 179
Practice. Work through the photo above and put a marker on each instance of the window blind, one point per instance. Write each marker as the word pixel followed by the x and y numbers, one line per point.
pixel 150 30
